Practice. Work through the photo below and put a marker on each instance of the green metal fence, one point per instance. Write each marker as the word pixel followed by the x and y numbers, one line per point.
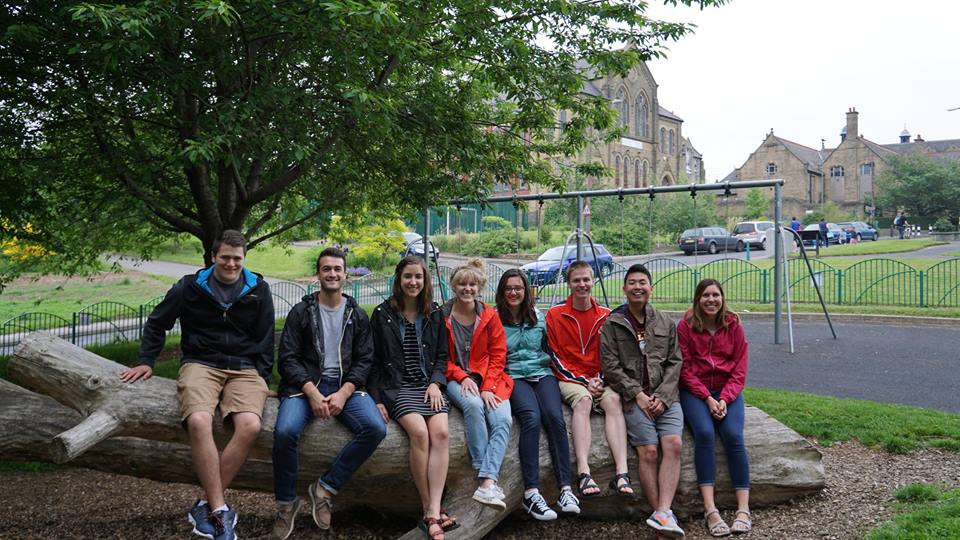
pixel 871 282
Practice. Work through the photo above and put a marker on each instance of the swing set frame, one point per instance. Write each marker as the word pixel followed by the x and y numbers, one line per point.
pixel 652 191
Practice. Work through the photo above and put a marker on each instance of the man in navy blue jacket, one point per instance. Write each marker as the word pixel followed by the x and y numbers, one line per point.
pixel 226 320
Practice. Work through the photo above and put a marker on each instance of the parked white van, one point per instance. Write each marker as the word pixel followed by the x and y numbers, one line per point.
pixel 753 232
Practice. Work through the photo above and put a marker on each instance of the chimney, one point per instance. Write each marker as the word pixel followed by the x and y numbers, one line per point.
pixel 851 130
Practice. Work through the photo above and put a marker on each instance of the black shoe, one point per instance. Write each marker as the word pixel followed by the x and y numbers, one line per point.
pixel 537 507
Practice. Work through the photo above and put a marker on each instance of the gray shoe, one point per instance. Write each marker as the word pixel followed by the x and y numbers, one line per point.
pixel 322 507
pixel 286 516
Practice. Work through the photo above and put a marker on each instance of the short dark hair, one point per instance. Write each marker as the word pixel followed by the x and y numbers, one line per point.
pixel 634 268
pixel 232 238
pixel 577 265
pixel 332 252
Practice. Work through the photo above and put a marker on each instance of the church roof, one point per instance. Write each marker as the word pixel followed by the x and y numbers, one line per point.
pixel 668 114
pixel 591 89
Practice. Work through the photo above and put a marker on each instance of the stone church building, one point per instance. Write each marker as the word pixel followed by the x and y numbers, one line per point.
pixel 652 150
pixel 845 174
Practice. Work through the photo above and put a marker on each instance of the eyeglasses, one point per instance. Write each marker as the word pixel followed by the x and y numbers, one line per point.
pixel 513 289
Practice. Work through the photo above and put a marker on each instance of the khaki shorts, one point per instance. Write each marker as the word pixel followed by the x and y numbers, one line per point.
pixel 202 389
pixel 571 393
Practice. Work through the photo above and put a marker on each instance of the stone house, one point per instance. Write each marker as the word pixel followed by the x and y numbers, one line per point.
pixel 844 175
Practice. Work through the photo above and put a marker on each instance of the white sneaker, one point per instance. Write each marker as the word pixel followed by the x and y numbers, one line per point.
pixel 568 502
pixel 536 506
pixel 666 524
pixel 489 497
pixel 500 494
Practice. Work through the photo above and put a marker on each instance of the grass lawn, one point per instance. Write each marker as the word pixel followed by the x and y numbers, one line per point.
pixel 896 428
pixel 923 511
pixel 63 296
pixel 878 247
pixel 290 262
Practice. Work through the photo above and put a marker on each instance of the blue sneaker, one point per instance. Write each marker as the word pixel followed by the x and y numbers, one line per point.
pixel 197 516
pixel 223 523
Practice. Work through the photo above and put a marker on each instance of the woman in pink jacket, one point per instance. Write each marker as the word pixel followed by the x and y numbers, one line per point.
pixel 711 394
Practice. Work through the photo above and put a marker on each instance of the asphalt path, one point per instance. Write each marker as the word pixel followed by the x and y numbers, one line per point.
pixel 917 365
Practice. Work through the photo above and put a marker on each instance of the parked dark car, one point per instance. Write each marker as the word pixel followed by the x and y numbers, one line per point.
pixel 709 240
pixel 859 230
pixel 413 245
pixel 835 235
pixel 544 270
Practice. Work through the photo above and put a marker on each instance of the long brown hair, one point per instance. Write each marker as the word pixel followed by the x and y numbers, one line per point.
pixel 695 316
pixel 424 299
pixel 527 314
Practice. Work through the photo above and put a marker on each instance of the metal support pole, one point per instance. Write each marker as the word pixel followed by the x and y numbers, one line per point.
pixel 778 264
pixel 579 227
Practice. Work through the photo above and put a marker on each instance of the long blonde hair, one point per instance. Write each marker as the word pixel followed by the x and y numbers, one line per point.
pixel 695 316
pixel 474 268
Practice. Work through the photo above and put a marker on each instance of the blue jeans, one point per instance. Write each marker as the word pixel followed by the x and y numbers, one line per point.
pixel 536 403
pixel 705 427
pixel 488 430
pixel 359 413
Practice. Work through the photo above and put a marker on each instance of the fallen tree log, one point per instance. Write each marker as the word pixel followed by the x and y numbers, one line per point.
pixel 96 421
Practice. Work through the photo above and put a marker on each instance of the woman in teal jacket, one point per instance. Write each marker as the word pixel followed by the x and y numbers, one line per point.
pixel 536 396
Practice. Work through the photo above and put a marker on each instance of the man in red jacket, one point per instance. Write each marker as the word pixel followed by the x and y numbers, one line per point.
pixel 573 330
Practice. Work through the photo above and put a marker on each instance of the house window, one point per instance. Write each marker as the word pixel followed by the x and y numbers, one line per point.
pixel 673 148
pixel 640 125
pixel 772 169
pixel 636 173
pixel 616 172
pixel 866 169
pixel 663 140
pixel 563 122
pixel 643 172
pixel 836 171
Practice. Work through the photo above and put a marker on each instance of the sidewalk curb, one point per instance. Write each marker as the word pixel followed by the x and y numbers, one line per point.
pixel 850 318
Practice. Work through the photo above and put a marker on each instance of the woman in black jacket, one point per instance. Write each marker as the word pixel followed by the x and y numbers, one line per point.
pixel 409 378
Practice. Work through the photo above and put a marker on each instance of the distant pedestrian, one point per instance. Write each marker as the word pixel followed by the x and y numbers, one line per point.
pixel 823 232
pixel 900 222
pixel 796 226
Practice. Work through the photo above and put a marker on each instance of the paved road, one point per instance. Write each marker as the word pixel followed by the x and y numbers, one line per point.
pixel 917 366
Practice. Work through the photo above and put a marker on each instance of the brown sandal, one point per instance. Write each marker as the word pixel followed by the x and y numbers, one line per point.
pixel 448 522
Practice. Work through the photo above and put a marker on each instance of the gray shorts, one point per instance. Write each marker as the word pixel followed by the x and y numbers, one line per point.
pixel 642 431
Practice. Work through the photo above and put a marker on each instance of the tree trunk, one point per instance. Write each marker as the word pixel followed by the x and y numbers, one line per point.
pixel 134 429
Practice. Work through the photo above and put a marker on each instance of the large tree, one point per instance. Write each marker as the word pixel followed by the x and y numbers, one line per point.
pixel 921 185
pixel 126 122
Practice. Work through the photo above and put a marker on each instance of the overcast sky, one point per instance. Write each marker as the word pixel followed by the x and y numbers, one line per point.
pixel 797 66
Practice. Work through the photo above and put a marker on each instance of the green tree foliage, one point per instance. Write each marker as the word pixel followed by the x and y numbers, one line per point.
pixel 125 123
pixel 374 243
pixel 757 205
pixel 921 185
pixel 676 212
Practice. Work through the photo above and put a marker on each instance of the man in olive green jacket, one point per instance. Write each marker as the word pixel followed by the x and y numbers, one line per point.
pixel 641 362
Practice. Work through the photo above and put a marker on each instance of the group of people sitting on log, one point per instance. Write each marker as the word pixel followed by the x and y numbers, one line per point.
pixel 411 359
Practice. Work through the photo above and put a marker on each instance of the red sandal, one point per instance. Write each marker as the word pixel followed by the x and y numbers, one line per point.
pixel 431 522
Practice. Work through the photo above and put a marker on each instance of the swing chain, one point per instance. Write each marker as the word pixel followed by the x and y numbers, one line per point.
pixel 620 197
